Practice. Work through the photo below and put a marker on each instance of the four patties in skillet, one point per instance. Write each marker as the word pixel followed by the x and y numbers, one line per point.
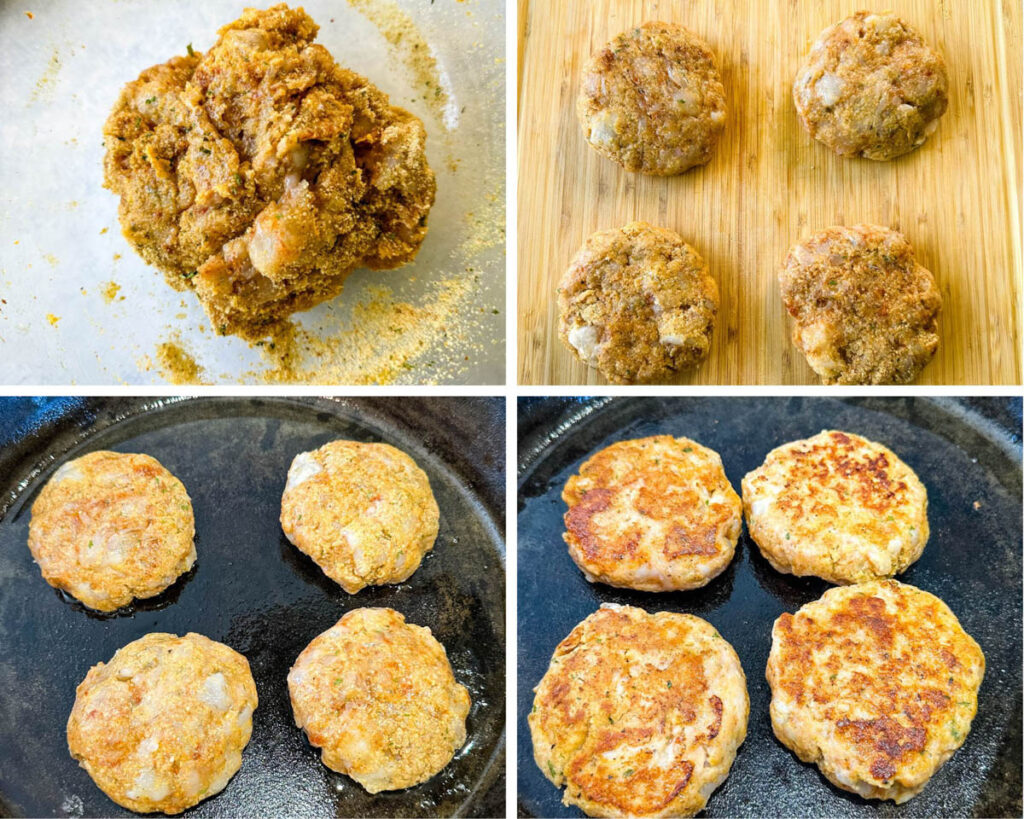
pixel 363 512
pixel 877 684
pixel 163 724
pixel 654 514
pixel 377 696
pixel 836 506
pixel 110 527
pixel 639 714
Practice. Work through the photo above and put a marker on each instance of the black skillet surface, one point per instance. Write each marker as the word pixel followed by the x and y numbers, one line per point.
pixel 252 590
pixel 966 454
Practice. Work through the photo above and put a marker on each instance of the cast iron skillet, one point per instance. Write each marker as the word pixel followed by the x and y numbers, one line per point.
pixel 969 458
pixel 252 590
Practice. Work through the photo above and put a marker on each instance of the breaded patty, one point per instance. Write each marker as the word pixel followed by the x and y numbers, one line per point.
pixel 638 304
pixel 363 512
pixel 836 506
pixel 163 724
pixel 261 173
pixel 378 697
pixel 652 100
pixel 639 714
pixel 876 684
pixel 654 514
pixel 871 87
pixel 864 310
pixel 111 527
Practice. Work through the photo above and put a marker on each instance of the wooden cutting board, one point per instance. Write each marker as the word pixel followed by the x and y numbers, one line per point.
pixel 958 198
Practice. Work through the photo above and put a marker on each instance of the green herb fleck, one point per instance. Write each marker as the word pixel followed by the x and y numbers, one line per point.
pixel 206 151
pixel 191 53
pixel 189 275
pixel 551 769
pixel 151 100
pixel 629 772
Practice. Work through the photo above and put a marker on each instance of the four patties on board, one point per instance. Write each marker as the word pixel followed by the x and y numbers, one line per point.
pixel 865 311
pixel 639 714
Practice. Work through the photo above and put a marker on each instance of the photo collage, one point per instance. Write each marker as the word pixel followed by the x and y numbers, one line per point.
pixel 511 408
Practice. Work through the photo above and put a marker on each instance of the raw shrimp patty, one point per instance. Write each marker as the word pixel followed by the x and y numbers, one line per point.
pixel 836 506
pixel 363 512
pixel 654 514
pixel 864 311
pixel 640 714
pixel 652 100
pixel 876 684
pixel 638 304
pixel 871 87
pixel 261 173
pixel 163 724
pixel 110 527
pixel 378 697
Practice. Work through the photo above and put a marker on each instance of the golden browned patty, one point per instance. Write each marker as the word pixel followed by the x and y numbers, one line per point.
pixel 111 527
pixel 864 310
pixel 876 684
pixel 378 697
pixel 163 724
pixel 261 173
pixel 836 506
pixel 637 303
pixel 652 100
pixel 871 87
pixel 363 512
pixel 640 714
pixel 655 514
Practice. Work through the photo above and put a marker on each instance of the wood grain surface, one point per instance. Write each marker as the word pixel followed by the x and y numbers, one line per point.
pixel 958 198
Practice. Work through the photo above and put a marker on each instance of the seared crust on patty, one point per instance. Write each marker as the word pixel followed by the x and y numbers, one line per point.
pixel 639 714
pixel 162 726
pixel 876 684
pixel 110 527
pixel 637 303
pixel 652 100
pixel 363 512
pixel 654 514
pixel 871 87
pixel 836 506
pixel 864 310
pixel 378 697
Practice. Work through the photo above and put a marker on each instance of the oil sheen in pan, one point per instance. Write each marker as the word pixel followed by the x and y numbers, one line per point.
pixel 254 591
pixel 967 454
